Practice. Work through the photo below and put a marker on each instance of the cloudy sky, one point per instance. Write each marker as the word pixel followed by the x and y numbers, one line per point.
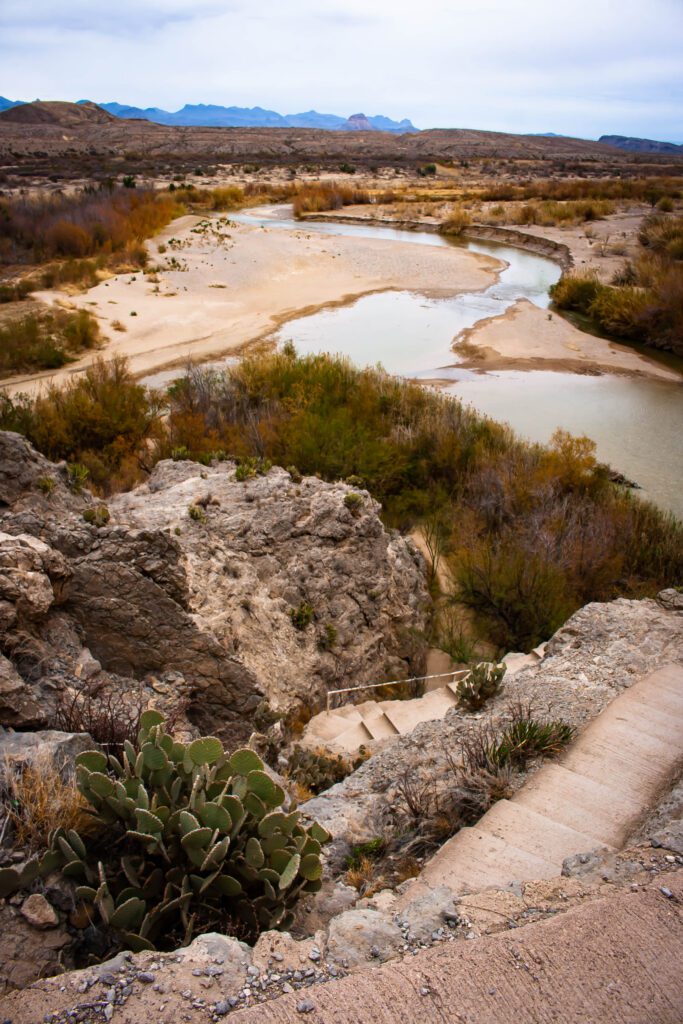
pixel 584 67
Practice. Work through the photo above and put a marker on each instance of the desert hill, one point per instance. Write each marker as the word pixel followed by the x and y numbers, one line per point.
pixel 54 112
pixel 640 145
pixel 59 129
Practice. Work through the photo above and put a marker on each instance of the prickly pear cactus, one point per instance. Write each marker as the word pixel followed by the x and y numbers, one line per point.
pixel 482 683
pixel 194 840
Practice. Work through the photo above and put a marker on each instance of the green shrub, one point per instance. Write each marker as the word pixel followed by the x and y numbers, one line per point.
pixel 527 737
pixel 302 616
pixel 197 513
pixel 327 639
pixel 354 502
pixel 77 475
pixel 46 341
pixel 192 840
pixel 576 291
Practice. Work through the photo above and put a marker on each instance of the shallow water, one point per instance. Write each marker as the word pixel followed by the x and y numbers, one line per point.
pixel 636 423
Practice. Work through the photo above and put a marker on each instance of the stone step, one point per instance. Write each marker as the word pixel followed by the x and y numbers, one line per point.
pixel 669 706
pixel 625 759
pixel 379 726
pixel 475 859
pixel 357 735
pixel 536 833
pixel 642 718
pixel 325 726
pixel 668 677
pixel 405 715
pixel 581 803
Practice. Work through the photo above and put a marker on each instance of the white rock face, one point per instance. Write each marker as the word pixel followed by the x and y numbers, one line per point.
pixel 199 606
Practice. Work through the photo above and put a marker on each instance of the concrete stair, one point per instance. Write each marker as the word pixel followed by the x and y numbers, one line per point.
pixel 347 728
pixel 594 796
pixel 351 726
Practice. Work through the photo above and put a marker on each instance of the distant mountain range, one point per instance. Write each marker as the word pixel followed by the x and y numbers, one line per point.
pixel 640 145
pixel 209 115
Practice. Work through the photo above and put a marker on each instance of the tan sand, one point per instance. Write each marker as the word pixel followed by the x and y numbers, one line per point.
pixel 241 285
pixel 527 337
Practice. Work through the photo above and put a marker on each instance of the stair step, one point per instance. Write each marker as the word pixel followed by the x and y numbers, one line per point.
pixel 637 703
pixel 580 803
pixel 668 677
pixel 326 726
pixel 536 833
pixel 474 859
pixel 640 718
pixel 353 738
pixel 379 726
pixel 637 763
pixel 407 714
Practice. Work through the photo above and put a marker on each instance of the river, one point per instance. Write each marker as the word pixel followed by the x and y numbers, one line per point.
pixel 636 422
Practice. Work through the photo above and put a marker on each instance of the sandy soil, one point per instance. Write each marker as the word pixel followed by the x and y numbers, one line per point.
pixel 235 283
pixel 220 286
pixel 527 338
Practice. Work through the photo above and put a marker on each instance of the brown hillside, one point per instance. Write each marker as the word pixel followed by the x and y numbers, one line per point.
pixel 65 115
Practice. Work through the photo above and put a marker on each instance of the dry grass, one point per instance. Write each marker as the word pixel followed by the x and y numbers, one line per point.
pixel 37 800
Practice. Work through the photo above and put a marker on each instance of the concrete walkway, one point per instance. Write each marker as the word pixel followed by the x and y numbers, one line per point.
pixel 593 796
pixel 615 961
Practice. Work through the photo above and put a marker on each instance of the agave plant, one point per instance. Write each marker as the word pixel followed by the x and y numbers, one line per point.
pixel 196 840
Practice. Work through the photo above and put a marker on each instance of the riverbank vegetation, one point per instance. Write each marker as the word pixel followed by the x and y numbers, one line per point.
pixel 644 303
pixel 45 339
pixel 530 533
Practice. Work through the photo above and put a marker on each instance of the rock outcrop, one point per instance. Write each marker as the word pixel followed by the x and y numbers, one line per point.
pixel 189 591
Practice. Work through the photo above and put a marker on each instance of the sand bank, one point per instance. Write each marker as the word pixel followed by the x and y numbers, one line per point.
pixel 529 338
pixel 220 285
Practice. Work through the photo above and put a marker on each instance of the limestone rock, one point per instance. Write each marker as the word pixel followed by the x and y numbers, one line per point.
pixel 27 954
pixel 209 599
pixel 59 748
pixel 39 913
pixel 361 936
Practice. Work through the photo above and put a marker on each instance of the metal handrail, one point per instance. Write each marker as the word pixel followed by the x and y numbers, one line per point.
pixel 396 682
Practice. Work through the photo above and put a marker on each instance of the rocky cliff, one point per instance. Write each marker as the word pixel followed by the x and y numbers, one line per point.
pixel 188 591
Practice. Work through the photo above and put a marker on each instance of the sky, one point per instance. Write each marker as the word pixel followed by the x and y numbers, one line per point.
pixel 584 67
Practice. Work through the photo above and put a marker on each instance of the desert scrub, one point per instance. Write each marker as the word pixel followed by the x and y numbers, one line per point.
pixel 196 513
pixel 102 420
pixel 77 474
pixel 353 502
pixel 46 484
pixel 455 223
pixel 316 197
pixel 302 616
pixel 37 799
pixel 97 515
pixel 327 638
pixel 191 840
pixel 46 340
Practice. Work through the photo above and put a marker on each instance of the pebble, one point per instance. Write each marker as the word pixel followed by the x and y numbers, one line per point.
pixel 146 977
pixel 666 892
pixel 222 1008
pixel 109 1011
pixel 305 1006
pixel 424 991
pixel 314 955
pixel 279 957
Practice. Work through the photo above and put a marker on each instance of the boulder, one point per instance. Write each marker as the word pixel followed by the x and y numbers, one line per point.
pixel 208 596
pixel 361 936
pixel 59 748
